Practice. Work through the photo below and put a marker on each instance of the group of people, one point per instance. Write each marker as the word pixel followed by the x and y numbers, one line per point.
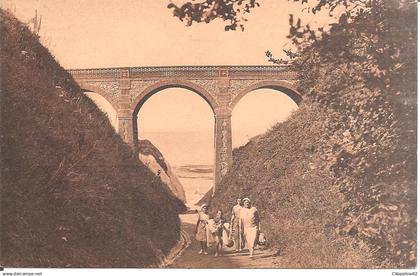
pixel 244 228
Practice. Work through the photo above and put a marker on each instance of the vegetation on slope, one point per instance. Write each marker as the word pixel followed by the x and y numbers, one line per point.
pixel 73 194
pixel 282 173
pixel 342 171
pixel 364 70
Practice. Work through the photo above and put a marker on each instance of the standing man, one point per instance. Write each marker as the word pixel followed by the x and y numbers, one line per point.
pixel 235 225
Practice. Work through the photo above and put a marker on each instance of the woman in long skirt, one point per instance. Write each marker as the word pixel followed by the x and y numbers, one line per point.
pixel 201 228
pixel 250 222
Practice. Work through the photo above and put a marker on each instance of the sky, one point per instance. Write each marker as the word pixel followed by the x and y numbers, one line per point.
pixel 123 33
pixel 114 33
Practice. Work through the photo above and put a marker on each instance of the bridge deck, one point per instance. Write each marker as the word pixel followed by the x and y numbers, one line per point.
pixel 231 71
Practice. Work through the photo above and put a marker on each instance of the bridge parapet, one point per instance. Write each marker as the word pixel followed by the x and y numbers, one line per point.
pixel 199 72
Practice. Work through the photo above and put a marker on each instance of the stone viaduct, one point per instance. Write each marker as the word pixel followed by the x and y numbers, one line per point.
pixel 127 89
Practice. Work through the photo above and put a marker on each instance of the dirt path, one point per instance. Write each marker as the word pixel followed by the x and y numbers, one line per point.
pixel 190 258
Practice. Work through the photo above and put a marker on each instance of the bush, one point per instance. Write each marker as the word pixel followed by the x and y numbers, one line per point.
pixel 341 173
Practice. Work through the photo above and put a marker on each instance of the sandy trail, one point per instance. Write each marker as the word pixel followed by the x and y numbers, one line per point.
pixel 191 259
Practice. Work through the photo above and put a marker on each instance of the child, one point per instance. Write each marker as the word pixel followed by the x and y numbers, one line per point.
pixel 200 228
pixel 217 232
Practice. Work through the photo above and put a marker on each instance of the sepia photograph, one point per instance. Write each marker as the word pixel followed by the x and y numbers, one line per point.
pixel 162 135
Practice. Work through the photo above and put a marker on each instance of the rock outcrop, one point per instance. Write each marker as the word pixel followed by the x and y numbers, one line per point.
pixel 154 160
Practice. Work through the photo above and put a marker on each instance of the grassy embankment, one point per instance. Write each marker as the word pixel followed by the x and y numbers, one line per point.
pixel 73 194
pixel 280 171
pixel 303 210
pixel 336 183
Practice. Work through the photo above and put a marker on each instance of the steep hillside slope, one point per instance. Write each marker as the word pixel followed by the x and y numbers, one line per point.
pixel 73 194
pixel 336 184
pixel 154 160
pixel 280 173
pixel 290 175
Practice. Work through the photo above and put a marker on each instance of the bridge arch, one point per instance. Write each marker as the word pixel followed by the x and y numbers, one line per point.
pixel 281 86
pixel 94 89
pixel 155 88
pixel 139 101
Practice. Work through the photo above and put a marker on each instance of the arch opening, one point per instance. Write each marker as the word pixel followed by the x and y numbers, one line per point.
pixel 280 86
pixel 105 106
pixel 94 89
pixel 181 126
pixel 259 110
pixel 149 92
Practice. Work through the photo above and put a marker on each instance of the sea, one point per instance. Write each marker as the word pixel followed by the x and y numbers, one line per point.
pixel 191 157
pixel 197 180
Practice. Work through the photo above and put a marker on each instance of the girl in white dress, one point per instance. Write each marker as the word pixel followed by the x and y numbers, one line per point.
pixel 201 228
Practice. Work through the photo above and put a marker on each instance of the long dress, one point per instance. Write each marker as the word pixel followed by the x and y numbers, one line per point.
pixel 210 238
pixel 202 227
pixel 250 221
pixel 226 232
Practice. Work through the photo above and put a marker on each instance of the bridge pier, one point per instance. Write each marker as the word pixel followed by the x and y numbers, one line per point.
pixel 222 145
pixel 126 130
pixel 127 124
